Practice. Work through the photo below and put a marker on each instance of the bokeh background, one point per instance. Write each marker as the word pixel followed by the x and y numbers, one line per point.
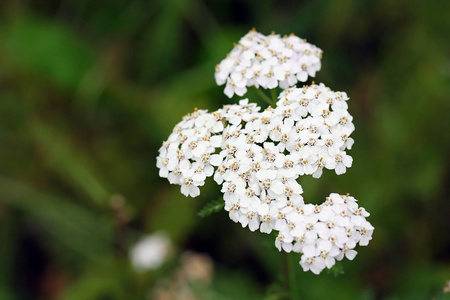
pixel 90 89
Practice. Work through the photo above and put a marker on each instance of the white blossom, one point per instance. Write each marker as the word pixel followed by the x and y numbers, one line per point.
pixel 267 62
pixel 150 252
pixel 329 232
pixel 185 158
pixel 321 129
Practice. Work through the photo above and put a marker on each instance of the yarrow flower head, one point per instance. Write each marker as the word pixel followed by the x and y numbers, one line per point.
pixel 257 156
pixel 185 157
pixel 268 62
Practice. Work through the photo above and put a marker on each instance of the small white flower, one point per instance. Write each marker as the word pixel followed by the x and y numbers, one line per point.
pixel 189 187
pixel 313 263
pixel 250 218
pixel 284 241
pixel 343 162
pixel 150 252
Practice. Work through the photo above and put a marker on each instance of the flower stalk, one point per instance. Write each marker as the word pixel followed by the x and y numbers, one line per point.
pixel 265 98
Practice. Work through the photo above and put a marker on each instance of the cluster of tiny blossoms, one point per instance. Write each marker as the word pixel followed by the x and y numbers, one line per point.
pixel 326 233
pixel 267 62
pixel 185 157
pixel 257 156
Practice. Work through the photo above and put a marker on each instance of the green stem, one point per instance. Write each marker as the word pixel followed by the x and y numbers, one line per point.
pixel 274 96
pixel 285 270
pixel 264 97
pixel 292 282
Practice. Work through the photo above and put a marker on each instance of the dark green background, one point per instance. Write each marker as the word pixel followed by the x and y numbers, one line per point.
pixel 90 89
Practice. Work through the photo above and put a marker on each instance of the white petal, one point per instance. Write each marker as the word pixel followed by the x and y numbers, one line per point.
pixel 309 250
pixel 351 254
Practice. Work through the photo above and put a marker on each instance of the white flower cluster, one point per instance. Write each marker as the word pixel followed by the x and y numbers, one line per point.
pixel 316 127
pixel 257 156
pixel 267 61
pixel 262 158
pixel 326 233
pixel 185 157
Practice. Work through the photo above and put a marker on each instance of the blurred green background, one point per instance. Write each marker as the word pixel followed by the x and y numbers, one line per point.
pixel 90 89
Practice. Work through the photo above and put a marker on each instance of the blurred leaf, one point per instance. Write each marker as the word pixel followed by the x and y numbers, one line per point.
pixel 234 285
pixel 8 250
pixel 102 280
pixel 166 29
pixel 428 280
pixel 79 229
pixel 179 96
pixel 336 270
pixel 72 165
pixel 7 295
pixel 174 214
pixel 211 207
pixel 46 49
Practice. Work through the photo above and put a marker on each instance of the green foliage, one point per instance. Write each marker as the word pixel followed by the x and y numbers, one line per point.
pixel 211 207
pixel 75 227
pixel 51 51
pixel 175 215
pixel 336 270
pixel 235 285
pixel 69 162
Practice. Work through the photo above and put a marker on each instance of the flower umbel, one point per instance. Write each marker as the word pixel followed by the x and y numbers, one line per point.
pixel 268 62
pixel 257 156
